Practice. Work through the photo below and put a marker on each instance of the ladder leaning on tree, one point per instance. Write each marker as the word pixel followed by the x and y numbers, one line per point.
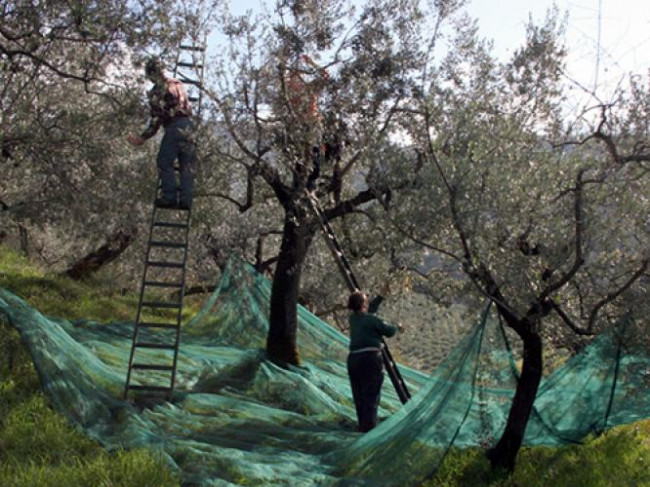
pixel 154 350
pixel 353 285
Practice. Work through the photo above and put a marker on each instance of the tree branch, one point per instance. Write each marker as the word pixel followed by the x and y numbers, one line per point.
pixel 348 206
pixel 567 320
pixel 259 166
pixel 250 189
pixel 578 260
pixel 615 294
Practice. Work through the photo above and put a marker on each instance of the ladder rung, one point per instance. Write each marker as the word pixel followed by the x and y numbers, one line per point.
pixel 146 324
pixel 184 64
pixel 170 224
pixel 189 81
pixel 162 284
pixel 158 304
pixel 164 346
pixel 193 98
pixel 174 265
pixel 170 245
pixel 151 367
pixel 191 48
pixel 150 388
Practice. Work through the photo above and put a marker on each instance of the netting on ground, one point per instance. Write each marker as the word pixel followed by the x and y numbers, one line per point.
pixel 238 418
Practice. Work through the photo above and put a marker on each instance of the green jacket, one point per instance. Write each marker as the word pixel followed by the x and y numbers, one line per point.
pixel 366 329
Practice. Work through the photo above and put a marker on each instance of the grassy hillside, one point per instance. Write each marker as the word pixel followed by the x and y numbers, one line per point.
pixel 37 445
pixel 620 457
pixel 39 448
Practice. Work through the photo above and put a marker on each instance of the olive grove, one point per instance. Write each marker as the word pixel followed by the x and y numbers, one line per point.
pixel 394 113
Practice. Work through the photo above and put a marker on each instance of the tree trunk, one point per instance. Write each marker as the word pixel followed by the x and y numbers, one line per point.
pixel 115 245
pixel 24 240
pixel 504 453
pixel 198 290
pixel 281 345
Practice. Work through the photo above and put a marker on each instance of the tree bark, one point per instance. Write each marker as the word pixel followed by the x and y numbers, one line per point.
pixel 198 290
pixel 115 245
pixel 504 453
pixel 281 345
pixel 24 240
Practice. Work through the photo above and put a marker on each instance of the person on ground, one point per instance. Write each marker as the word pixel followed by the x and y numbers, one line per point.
pixel 170 108
pixel 365 364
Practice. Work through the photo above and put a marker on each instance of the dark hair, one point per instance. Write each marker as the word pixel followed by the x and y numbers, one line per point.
pixel 153 65
pixel 356 300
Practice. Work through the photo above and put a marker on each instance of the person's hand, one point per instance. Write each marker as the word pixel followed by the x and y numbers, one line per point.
pixel 134 139
pixel 401 327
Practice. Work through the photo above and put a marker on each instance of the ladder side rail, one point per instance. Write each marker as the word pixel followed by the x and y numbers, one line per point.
pixel 180 309
pixel 394 374
pixel 200 102
pixel 178 60
pixel 345 270
pixel 335 247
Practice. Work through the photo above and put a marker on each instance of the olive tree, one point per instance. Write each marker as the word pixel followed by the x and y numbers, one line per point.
pixel 545 214
pixel 70 90
pixel 272 148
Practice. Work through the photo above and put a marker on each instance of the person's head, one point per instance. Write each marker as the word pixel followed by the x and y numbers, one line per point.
pixel 358 302
pixel 153 69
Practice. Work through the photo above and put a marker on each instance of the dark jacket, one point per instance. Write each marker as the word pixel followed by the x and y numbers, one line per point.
pixel 367 330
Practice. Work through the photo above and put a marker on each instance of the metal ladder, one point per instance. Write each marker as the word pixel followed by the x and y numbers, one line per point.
pixel 353 285
pixel 155 342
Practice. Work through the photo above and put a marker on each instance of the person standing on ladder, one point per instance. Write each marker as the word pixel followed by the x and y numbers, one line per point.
pixel 365 365
pixel 170 107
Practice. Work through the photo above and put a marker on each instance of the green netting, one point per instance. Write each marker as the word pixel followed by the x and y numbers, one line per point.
pixel 239 419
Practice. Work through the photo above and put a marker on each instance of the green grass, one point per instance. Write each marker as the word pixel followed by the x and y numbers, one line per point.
pixel 38 447
pixel 53 295
pixel 619 457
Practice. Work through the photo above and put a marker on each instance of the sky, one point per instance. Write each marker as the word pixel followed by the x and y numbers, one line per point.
pixel 605 38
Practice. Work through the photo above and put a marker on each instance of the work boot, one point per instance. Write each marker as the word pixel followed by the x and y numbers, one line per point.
pixel 165 203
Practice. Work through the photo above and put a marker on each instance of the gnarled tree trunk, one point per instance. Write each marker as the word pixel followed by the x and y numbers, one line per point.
pixel 504 453
pixel 115 246
pixel 298 233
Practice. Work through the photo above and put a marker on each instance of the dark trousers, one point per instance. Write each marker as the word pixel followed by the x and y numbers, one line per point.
pixel 176 144
pixel 366 377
